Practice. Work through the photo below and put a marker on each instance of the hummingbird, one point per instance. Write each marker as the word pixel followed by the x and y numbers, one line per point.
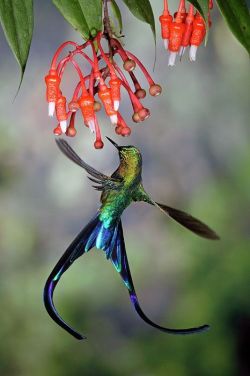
pixel 105 232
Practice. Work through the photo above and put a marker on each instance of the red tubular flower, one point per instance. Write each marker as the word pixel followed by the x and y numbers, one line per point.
pixel 177 29
pixel 114 82
pixel 86 103
pixel 52 93
pixel 198 35
pixel 61 113
pixel 104 94
pixel 115 87
pixel 165 20
pixel 188 30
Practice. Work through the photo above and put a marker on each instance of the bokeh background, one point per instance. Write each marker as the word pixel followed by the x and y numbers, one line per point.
pixel 196 157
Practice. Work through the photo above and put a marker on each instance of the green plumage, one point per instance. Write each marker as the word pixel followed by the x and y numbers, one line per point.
pixel 128 176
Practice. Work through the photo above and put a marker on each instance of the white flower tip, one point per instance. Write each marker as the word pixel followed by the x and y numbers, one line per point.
pixel 116 105
pixel 171 59
pixel 114 119
pixel 91 125
pixel 165 41
pixel 63 125
pixel 192 52
pixel 182 51
pixel 51 108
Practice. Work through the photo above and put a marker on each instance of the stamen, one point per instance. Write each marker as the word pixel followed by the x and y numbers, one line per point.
pixel 192 52
pixel 63 125
pixel 116 105
pixel 113 119
pixel 91 125
pixel 165 42
pixel 51 108
pixel 172 58
pixel 182 51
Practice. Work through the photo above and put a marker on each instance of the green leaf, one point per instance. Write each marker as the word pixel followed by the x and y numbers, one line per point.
pixel 236 14
pixel 84 15
pixel 203 9
pixel 143 11
pixel 16 18
pixel 117 14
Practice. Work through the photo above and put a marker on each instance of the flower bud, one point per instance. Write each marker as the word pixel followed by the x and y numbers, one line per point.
pixel 97 106
pixel 143 114
pixel 118 130
pixel 73 106
pixel 129 65
pixel 71 132
pixel 98 144
pixel 52 93
pixel 140 93
pixel 155 90
pixel 125 131
pixel 136 117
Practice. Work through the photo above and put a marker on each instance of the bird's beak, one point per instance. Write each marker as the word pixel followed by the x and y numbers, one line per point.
pixel 113 142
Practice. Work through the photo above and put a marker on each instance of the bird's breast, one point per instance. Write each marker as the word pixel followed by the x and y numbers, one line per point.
pixel 114 205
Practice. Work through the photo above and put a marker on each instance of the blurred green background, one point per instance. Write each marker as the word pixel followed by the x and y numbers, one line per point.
pixel 196 157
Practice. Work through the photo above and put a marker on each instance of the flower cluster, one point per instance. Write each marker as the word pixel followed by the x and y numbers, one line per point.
pixel 104 80
pixel 183 30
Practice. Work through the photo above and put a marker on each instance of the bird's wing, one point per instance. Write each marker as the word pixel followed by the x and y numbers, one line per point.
pixel 184 219
pixel 188 221
pixel 104 182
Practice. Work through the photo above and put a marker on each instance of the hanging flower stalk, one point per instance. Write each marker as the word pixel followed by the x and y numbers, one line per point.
pixel 101 86
pixel 184 29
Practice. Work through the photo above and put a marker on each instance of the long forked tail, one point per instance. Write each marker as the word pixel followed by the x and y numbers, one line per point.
pixel 93 235
pixel 75 250
pixel 111 241
pixel 120 261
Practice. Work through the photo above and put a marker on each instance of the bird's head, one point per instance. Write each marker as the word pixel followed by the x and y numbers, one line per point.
pixel 128 152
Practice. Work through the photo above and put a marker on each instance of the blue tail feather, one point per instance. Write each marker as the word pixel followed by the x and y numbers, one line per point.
pixel 111 241
pixel 94 234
